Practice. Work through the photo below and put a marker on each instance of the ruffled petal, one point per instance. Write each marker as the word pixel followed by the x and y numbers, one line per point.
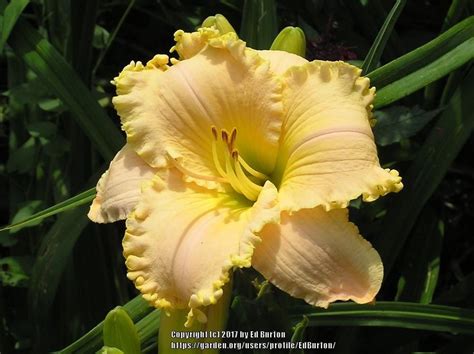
pixel 170 112
pixel 320 257
pixel 189 44
pixel 182 240
pixel 328 155
pixel 281 61
pixel 118 190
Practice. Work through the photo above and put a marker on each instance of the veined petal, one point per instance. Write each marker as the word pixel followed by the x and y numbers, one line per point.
pixel 281 61
pixel 320 257
pixel 328 155
pixel 118 190
pixel 182 240
pixel 171 112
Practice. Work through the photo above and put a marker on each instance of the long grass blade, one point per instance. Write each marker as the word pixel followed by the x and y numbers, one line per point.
pixel 54 253
pixel 423 55
pixel 424 175
pixel 421 259
pixel 112 37
pixel 11 14
pixel 61 79
pixel 137 309
pixel 259 23
pixel 392 314
pixel 426 75
pixel 375 52
pixel 78 200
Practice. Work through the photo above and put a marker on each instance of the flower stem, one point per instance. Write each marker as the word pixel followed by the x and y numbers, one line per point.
pixel 172 328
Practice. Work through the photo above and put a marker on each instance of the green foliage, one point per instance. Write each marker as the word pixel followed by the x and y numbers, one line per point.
pixel 60 276
pixel 61 79
pixel 393 314
pixel 398 122
pixel 120 332
pixel 10 15
pixel 14 271
pixel 375 52
pixel 259 23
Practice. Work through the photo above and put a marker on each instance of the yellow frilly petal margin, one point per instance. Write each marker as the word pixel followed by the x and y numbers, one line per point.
pixel 182 240
pixel 327 154
pixel 170 111
pixel 320 257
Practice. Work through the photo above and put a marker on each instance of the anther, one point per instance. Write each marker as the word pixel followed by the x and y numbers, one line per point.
pixel 233 136
pixel 225 136
pixel 214 132
pixel 235 155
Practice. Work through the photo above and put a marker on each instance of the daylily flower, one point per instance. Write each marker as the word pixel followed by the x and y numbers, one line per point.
pixel 239 158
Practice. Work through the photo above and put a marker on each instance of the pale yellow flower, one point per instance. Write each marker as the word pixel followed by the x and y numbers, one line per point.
pixel 237 157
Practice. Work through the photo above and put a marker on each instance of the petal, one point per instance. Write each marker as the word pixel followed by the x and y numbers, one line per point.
pixel 182 240
pixel 320 257
pixel 328 155
pixel 281 61
pixel 189 44
pixel 170 112
pixel 118 190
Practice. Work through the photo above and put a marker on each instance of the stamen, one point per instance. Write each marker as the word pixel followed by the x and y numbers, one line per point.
pixel 235 170
pixel 250 189
pixel 250 170
pixel 225 136
pixel 215 157
pixel 187 172
pixel 233 136
pixel 214 132
pixel 233 180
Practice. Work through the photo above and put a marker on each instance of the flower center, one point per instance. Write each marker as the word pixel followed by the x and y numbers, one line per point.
pixel 232 167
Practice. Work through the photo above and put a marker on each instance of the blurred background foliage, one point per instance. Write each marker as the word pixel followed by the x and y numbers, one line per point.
pixel 61 275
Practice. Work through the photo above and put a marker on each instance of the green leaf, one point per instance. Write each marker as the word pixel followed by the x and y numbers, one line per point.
pixel 423 55
pixel 375 52
pixel 298 334
pixel 14 271
pixel 111 38
pixel 10 16
pixel 41 129
pixel 51 105
pixel 454 13
pixel 138 310
pixel 426 75
pixel 392 314
pixel 25 211
pixel 109 350
pixel 421 261
pixel 22 160
pixel 398 122
pixel 101 37
pixel 34 219
pixel 259 23
pixel 425 173
pixel 148 326
pixel 41 57
pixel 120 332
pixel 53 255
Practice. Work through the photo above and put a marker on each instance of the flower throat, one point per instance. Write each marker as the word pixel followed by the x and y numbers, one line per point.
pixel 232 167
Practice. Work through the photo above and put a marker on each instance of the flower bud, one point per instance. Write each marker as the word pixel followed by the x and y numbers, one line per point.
pixel 220 23
pixel 291 40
